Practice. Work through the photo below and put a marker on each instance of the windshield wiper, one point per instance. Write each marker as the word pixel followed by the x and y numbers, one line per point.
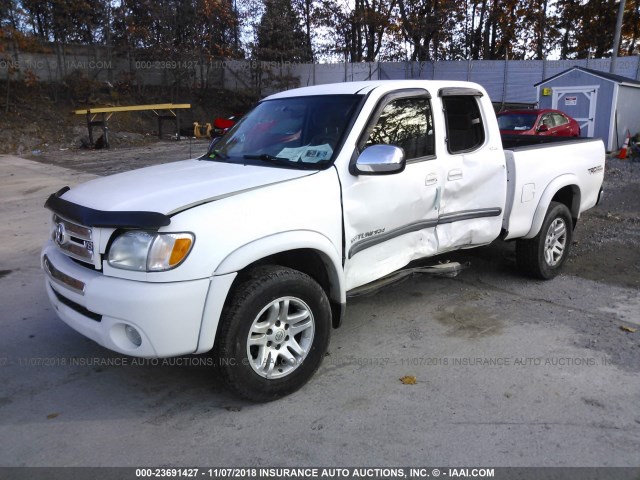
pixel 267 158
pixel 285 162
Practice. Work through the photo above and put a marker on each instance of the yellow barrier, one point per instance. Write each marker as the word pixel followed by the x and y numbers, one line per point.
pixel 107 112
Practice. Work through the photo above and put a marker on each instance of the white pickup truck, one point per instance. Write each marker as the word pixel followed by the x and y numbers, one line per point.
pixel 252 249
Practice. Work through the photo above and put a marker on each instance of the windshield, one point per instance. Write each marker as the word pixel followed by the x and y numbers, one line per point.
pixel 297 132
pixel 517 121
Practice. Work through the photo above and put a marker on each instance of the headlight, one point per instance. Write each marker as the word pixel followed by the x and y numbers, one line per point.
pixel 149 251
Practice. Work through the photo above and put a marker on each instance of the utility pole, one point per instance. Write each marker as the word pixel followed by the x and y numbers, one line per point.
pixel 616 38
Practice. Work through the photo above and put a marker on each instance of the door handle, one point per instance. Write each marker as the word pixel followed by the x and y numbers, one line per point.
pixel 436 203
pixel 454 174
pixel 431 179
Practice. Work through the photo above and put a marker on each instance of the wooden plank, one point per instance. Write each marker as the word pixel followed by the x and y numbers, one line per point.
pixel 132 108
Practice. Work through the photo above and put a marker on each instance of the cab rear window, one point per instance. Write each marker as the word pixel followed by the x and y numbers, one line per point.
pixel 465 130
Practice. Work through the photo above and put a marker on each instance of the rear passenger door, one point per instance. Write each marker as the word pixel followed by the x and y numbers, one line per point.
pixel 562 127
pixel 547 121
pixel 473 197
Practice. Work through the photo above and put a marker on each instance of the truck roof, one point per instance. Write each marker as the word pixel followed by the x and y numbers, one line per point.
pixel 352 88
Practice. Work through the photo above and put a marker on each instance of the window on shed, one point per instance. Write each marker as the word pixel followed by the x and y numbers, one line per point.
pixel 465 131
pixel 406 123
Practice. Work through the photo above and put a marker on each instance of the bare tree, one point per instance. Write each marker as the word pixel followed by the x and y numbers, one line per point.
pixel 422 25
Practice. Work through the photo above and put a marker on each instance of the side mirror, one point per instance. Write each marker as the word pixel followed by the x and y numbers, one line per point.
pixel 380 160
pixel 543 128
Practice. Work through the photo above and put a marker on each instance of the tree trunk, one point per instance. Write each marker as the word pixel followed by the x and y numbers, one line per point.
pixel 542 28
pixel 478 34
pixel 486 36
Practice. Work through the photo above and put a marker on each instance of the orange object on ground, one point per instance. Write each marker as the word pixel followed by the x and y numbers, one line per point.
pixel 623 151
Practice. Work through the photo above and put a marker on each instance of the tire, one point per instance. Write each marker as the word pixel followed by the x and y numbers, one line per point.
pixel 543 255
pixel 264 354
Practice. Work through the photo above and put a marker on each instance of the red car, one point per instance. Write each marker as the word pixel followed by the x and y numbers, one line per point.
pixel 221 125
pixel 538 122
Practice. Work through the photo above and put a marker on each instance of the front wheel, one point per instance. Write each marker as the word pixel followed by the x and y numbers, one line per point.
pixel 274 333
pixel 543 255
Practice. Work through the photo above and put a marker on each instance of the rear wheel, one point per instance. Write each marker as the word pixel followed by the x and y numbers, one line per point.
pixel 274 333
pixel 543 255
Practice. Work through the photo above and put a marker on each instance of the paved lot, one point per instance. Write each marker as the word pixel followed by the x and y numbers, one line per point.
pixel 510 372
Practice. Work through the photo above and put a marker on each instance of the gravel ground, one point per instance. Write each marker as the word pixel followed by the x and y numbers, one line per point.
pixel 567 398
pixel 607 237
pixel 116 160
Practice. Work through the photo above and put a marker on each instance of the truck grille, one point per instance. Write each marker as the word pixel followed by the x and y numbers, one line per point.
pixel 73 240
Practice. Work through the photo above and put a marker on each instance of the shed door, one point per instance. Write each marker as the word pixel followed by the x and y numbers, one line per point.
pixel 579 103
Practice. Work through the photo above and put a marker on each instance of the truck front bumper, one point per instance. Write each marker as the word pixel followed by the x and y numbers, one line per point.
pixel 141 319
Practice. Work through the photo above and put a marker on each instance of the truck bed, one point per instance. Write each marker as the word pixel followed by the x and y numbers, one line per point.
pixel 518 142
pixel 538 167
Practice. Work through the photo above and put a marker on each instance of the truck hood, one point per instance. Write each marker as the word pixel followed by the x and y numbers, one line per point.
pixel 172 187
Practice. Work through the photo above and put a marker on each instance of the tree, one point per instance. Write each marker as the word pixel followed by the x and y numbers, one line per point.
pixel 422 20
pixel 307 11
pixel 595 28
pixel 360 33
pixel 279 35
pixel 305 30
pixel 63 21
pixel 372 19
pixel 185 36
pixel 541 33
pixel 631 28
pixel 176 27
pixel 567 16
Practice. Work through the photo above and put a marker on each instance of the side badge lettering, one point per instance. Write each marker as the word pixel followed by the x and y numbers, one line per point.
pixel 360 236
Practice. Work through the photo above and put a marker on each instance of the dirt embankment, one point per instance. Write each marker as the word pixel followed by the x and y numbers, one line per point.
pixel 38 119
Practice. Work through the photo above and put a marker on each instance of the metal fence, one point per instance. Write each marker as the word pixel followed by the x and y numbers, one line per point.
pixel 505 80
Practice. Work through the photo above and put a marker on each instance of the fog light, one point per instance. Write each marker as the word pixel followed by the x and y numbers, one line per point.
pixel 133 335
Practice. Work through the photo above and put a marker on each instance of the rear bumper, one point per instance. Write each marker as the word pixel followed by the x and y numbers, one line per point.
pixel 167 316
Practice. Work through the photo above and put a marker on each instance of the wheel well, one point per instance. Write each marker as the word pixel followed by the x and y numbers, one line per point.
pixel 310 262
pixel 569 196
pixel 303 260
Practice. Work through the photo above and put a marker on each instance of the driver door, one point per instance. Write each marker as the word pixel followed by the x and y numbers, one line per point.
pixel 390 220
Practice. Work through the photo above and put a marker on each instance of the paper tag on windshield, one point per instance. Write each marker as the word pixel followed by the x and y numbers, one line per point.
pixel 307 154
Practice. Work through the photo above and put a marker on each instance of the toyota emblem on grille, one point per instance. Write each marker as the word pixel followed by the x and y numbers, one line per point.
pixel 60 235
